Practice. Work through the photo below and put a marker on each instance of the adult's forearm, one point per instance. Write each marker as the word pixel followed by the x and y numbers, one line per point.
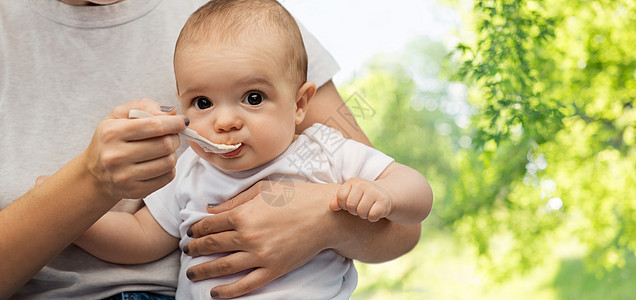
pixel 372 242
pixel 125 159
pixel 40 224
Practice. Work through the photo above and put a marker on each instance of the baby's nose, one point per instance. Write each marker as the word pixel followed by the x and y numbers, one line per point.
pixel 227 120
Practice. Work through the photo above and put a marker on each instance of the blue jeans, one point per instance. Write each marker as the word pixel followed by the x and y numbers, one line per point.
pixel 138 296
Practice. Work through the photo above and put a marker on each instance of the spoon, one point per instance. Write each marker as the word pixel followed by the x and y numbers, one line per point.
pixel 191 135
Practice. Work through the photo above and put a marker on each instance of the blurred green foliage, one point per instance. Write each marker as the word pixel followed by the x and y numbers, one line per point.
pixel 553 82
pixel 541 152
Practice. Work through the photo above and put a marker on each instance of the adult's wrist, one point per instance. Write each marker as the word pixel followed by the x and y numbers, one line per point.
pixel 371 242
pixel 324 224
pixel 84 170
pixel 339 229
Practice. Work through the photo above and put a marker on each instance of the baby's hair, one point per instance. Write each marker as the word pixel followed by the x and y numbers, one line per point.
pixel 231 21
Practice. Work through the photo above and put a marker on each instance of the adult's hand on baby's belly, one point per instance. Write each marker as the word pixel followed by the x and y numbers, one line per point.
pixel 272 228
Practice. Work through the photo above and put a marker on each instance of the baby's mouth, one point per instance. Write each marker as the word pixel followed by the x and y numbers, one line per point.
pixel 220 148
pixel 232 153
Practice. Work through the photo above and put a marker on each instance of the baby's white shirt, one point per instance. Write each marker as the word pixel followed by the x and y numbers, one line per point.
pixel 319 155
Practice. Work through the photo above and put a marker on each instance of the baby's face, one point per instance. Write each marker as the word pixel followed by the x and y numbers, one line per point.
pixel 237 95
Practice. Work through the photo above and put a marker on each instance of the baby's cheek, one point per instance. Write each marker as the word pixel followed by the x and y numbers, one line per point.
pixel 264 147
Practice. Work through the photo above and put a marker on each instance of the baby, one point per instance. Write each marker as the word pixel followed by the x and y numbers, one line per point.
pixel 241 70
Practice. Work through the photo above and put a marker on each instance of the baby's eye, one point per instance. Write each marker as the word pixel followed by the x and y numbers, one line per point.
pixel 253 98
pixel 202 102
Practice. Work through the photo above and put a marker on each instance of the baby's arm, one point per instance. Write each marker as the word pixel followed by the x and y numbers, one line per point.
pixel 400 194
pixel 124 238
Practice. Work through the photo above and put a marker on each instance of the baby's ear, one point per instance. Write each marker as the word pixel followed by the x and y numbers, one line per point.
pixel 304 95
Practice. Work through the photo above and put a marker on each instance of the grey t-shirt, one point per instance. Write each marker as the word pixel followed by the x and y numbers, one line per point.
pixel 62 70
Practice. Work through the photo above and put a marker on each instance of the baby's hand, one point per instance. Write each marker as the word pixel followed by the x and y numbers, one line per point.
pixel 362 198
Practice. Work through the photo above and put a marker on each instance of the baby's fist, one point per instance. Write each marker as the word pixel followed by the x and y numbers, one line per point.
pixel 362 198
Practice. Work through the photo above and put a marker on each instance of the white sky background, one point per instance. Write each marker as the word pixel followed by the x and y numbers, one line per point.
pixel 355 30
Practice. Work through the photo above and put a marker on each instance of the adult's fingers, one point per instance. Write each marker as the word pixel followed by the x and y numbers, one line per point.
pixel 141 188
pixel 151 169
pixel 140 129
pixel 239 199
pixel 221 242
pixel 124 154
pixel 226 265
pixel 139 161
pixel 141 150
pixel 147 127
pixel 145 104
pixel 252 281
pixel 211 224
